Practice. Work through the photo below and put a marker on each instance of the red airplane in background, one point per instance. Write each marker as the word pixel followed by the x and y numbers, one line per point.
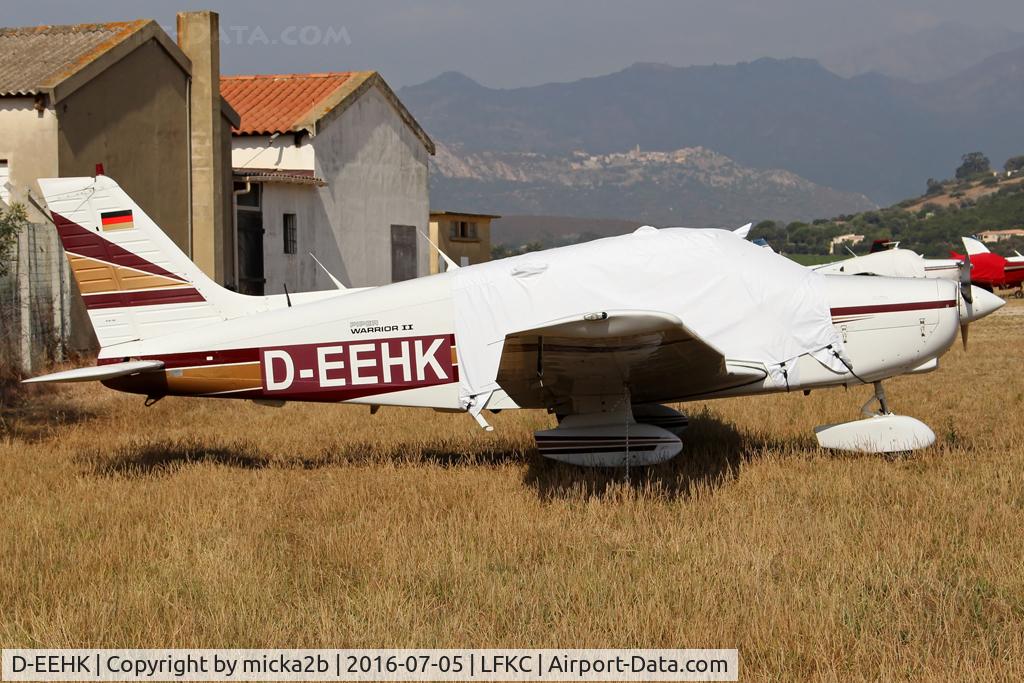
pixel 992 271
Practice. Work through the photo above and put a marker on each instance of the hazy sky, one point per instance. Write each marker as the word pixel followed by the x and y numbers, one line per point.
pixel 508 43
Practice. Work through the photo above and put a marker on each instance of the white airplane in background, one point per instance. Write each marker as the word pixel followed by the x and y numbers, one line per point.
pixel 599 334
pixel 895 262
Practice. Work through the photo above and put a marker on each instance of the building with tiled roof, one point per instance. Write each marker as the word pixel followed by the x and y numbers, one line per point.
pixel 331 164
pixel 124 98
pixel 989 236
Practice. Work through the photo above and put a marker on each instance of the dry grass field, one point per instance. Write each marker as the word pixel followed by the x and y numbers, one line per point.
pixel 224 524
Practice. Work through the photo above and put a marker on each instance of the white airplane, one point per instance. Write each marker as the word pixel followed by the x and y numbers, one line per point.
pixel 599 334
pixel 894 262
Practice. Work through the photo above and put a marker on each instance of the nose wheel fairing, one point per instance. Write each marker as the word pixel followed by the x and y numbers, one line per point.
pixel 877 434
pixel 881 432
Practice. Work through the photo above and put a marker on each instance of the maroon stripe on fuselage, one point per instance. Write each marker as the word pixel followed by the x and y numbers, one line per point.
pixel 145 297
pixel 156 383
pixel 78 240
pixel 199 358
pixel 894 308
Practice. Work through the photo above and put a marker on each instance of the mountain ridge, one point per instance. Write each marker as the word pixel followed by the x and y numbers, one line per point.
pixel 869 134
pixel 926 55
pixel 691 186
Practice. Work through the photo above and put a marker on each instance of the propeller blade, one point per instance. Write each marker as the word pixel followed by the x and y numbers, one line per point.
pixel 965 279
pixel 963 333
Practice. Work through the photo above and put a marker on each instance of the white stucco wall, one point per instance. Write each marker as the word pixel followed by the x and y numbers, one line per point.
pixel 28 140
pixel 313 234
pixel 376 173
pixel 259 151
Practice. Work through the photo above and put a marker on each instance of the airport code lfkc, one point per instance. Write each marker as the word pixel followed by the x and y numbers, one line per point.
pixel 355 665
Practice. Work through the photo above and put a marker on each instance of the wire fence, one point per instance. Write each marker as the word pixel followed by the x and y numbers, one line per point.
pixel 35 313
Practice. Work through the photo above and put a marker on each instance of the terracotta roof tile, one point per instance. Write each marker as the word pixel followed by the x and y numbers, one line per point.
pixel 279 103
pixel 35 58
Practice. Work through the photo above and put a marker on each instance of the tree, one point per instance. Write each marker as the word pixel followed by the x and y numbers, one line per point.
pixel 13 220
pixel 1014 164
pixel 934 186
pixel 973 164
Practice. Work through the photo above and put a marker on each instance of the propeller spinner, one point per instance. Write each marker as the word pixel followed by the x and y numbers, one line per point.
pixel 980 304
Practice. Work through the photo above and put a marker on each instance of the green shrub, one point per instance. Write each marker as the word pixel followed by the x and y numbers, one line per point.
pixel 13 220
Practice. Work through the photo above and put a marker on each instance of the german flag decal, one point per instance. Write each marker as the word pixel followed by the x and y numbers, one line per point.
pixel 117 220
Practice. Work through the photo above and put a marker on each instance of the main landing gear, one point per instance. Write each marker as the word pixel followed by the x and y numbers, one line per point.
pixel 617 435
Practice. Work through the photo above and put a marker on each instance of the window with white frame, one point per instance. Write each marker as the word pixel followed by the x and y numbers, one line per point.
pixel 5 176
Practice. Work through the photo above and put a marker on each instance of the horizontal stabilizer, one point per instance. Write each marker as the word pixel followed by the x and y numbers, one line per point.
pixel 100 372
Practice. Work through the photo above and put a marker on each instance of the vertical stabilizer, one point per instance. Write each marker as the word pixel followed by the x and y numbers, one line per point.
pixel 974 246
pixel 135 282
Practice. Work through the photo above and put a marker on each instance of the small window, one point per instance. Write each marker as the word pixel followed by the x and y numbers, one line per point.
pixel 291 237
pixel 5 175
pixel 463 230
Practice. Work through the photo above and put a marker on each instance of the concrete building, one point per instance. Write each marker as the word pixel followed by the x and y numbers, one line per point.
pixel 118 95
pixel 125 97
pixel 990 236
pixel 330 164
pixel 464 237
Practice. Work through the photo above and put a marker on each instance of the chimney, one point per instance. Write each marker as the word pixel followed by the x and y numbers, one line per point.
pixel 199 39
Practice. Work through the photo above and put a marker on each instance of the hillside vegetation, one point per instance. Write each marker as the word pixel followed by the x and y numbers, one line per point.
pixel 930 225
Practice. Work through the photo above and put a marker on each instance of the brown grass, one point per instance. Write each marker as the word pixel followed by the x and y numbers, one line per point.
pixel 223 524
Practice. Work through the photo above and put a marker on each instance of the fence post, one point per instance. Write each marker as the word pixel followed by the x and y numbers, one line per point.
pixel 24 304
pixel 56 291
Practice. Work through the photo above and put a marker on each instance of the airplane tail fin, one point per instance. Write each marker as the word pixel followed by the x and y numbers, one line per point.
pixel 974 246
pixel 135 282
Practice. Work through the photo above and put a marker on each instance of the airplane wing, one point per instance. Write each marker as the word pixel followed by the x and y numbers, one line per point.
pixel 565 364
